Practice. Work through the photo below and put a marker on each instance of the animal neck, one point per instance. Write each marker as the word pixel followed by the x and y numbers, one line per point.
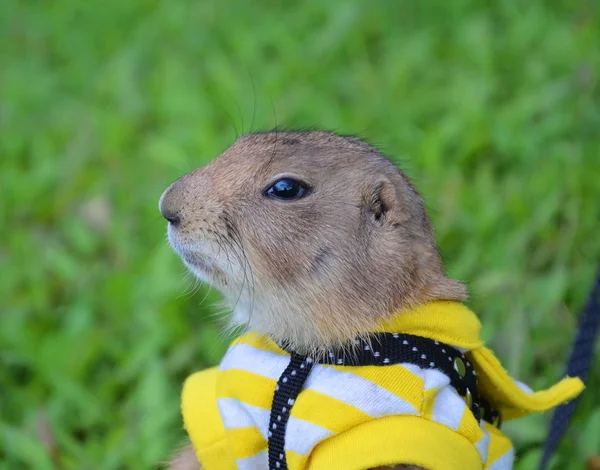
pixel 446 321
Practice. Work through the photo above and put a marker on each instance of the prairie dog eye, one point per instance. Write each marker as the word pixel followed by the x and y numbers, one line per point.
pixel 287 189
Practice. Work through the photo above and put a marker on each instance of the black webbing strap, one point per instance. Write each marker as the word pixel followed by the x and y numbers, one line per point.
pixel 287 389
pixel 582 354
pixel 379 349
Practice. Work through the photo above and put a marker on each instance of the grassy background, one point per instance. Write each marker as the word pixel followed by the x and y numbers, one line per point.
pixel 493 109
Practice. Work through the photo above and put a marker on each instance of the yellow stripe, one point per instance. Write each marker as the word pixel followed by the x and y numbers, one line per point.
pixel 261 342
pixel 246 442
pixel 395 379
pixel 429 397
pixel 327 412
pixel 469 427
pixel 499 444
pixel 247 387
pixel 296 460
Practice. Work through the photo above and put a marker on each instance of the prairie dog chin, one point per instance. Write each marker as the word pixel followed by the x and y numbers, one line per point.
pixel 311 237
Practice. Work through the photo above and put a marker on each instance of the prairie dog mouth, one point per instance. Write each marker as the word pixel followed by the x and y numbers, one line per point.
pixel 202 267
pixel 197 263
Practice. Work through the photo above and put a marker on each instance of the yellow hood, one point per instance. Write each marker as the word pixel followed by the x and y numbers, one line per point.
pixel 455 324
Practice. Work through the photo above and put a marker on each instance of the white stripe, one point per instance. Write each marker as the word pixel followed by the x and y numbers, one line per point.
pixel 358 392
pixel 259 461
pixel 301 436
pixel 257 361
pixel 483 444
pixel 412 368
pixel 448 408
pixel 505 462
pixel 435 379
pixel 236 414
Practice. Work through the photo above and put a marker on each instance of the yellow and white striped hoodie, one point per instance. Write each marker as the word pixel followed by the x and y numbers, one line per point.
pixel 359 417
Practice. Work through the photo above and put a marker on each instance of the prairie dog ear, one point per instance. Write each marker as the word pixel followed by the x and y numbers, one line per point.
pixel 380 200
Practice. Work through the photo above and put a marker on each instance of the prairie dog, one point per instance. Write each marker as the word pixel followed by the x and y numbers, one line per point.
pixel 312 238
pixel 350 244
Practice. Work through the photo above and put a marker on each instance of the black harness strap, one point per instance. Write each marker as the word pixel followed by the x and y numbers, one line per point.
pixel 379 349
pixel 286 391
pixel 579 365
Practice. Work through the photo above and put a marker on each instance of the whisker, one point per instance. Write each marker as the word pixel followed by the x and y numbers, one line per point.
pixel 253 101
pixel 193 285
pixel 247 269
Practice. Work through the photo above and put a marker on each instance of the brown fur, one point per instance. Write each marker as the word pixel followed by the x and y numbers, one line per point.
pixel 318 271
pixel 185 460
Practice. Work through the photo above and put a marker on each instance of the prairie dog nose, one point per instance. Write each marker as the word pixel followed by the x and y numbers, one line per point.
pixel 168 205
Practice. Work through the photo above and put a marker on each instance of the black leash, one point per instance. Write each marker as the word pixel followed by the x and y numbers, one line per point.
pixel 579 364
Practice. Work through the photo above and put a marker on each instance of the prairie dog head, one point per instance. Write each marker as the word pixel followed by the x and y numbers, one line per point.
pixel 313 238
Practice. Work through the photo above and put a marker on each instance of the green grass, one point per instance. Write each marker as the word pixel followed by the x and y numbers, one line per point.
pixel 493 110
